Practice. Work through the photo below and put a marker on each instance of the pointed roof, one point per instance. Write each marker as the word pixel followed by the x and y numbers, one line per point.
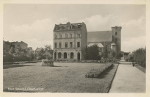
pixel 99 36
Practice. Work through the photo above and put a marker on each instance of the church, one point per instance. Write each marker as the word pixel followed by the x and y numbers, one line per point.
pixel 71 39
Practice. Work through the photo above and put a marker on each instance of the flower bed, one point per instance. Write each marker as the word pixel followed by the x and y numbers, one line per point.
pixel 95 73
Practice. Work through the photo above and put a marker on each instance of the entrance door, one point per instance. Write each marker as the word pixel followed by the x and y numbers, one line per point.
pixel 55 56
pixel 78 56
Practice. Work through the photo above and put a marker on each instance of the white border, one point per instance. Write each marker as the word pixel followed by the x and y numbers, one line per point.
pixel 147 94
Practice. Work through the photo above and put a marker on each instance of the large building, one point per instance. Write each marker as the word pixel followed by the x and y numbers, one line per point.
pixel 108 41
pixel 70 40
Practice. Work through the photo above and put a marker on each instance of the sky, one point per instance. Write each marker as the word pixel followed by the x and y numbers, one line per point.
pixel 34 23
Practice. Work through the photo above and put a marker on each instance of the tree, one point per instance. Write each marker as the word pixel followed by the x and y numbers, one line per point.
pixel 105 53
pixel 12 50
pixel 92 53
pixel 44 53
pixel 139 56
pixel 48 53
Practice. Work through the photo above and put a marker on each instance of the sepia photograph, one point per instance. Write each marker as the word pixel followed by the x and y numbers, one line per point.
pixel 74 48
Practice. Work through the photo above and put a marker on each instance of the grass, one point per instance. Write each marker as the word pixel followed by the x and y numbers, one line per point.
pixel 64 78
pixel 140 68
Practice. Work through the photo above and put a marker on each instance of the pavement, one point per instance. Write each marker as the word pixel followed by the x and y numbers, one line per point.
pixel 128 79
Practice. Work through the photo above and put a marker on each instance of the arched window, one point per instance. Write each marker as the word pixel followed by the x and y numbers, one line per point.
pixel 65 55
pixel 71 55
pixel 59 55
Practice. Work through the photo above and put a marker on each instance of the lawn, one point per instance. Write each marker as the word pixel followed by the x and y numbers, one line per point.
pixel 63 78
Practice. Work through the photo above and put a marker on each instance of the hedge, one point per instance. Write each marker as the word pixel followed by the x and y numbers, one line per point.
pixel 95 73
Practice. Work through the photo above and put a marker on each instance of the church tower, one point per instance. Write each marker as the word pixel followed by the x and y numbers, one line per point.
pixel 116 38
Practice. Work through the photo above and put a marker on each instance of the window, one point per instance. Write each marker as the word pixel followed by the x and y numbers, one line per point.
pixel 59 55
pixel 70 35
pixel 112 38
pixel 71 55
pixel 65 55
pixel 66 35
pixel 66 44
pixel 55 45
pixel 70 44
pixel 60 45
pixel 55 36
pixel 78 44
pixel 115 33
pixel 116 40
pixel 78 35
pixel 60 36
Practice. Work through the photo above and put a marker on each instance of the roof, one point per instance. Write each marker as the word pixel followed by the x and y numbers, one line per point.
pixel 68 26
pixel 113 43
pixel 99 36
pixel 98 44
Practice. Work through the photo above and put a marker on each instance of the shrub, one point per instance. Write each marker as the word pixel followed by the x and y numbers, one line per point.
pixel 92 53
pixel 95 73
pixel 139 56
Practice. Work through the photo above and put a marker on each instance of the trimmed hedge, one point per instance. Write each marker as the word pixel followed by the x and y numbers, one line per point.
pixel 95 73
pixel 140 57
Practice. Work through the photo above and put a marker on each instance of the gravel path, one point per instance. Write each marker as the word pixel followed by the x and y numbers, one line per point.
pixel 128 79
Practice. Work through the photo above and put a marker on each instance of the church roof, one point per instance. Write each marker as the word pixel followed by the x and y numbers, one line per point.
pixel 99 36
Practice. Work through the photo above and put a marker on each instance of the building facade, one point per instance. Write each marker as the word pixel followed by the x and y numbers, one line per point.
pixel 110 41
pixel 70 40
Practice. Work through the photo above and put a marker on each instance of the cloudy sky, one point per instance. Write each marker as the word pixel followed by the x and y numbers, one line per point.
pixel 34 24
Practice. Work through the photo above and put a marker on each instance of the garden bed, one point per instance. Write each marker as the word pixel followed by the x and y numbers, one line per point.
pixel 96 73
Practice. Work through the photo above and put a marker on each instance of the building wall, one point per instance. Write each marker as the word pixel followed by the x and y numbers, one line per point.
pixel 116 34
pixel 84 40
pixel 69 35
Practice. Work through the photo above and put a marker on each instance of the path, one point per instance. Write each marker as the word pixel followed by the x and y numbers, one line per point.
pixel 128 79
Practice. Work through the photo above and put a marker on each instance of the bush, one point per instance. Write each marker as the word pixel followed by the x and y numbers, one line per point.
pixel 92 53
pixel 10 58
pixel 95 73
pixel 7 58
pixel 139 56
